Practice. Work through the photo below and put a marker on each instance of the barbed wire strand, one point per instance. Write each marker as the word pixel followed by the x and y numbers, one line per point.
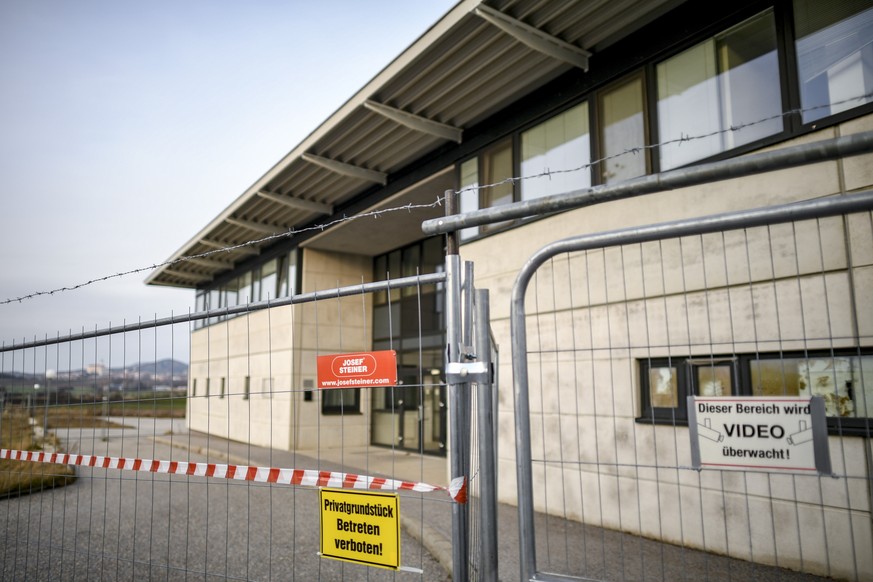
pixel 546 173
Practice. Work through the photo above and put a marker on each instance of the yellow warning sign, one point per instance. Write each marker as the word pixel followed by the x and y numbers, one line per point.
pixel 361 527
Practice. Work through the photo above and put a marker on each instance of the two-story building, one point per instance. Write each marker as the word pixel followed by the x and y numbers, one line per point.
pixel 508 89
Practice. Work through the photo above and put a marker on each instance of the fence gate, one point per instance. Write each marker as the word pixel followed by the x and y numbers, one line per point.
pixel 612 333
pixel 213 471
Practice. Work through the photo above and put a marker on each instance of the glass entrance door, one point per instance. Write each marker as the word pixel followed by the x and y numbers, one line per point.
pixel 433 423
pixel 423 428
pixel 424 421
pixel 411 415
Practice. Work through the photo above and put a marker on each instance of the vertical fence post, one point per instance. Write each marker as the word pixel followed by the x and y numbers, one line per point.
pixel 487 443
pixel 524 471
pixel 467 294
pixel 457 398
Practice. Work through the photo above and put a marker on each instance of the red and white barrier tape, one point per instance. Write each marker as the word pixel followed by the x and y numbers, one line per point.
pixel 457 490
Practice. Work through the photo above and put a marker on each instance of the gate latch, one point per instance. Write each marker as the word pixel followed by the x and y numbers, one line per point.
pixel 463 372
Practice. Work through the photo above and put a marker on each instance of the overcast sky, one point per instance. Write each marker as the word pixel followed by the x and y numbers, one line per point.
pixel 125 127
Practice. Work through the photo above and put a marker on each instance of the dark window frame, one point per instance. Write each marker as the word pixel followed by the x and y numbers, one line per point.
pixel 721 21
pixel 742 377
pixel 540 121
pixel 597 128
pixel 484 193
pixel 203 295
pixel 343 407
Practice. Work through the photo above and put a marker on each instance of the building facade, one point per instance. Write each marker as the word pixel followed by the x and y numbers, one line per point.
pixel 510 101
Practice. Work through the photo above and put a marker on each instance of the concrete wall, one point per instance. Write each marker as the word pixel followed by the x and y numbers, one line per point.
pixel 646 301
pixel 277 349
pixel 331 327
pixel 257 346
pixel 609 308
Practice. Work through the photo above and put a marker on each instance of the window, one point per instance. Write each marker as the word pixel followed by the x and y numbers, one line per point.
pixel 213 301
pixel 230 292
pixel 207 388
pixel 722 83
pixel 834 43
pixel 269 279
pixel 486 182
pixel 386 267
pixel 663 387
pixel 341 401
pixel 496 170
pixel 288 275
pixel 274 279
pixel 469 193
pixel 292 273
pixel 247 386
pixel 714 378
pixel 413 324
pixel 416 316
pixel 727 92
pixel 843 380
pixel 668 382
pixel 194 387
pixel 221 393
pixel 560 146
pixel 623 131
pixel 410 266
pixel 245 288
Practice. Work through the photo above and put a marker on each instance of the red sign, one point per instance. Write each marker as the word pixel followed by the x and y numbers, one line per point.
pixel 358 370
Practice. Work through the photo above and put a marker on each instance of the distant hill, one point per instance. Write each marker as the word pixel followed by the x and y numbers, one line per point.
pixel 163 367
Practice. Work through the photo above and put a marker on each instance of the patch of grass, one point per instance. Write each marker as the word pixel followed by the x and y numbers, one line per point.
pixel 24 477
pixel 58 419
pixel 157 407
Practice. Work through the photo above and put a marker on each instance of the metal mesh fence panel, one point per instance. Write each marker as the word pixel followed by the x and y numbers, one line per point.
pixel 194 448
pixel 618 335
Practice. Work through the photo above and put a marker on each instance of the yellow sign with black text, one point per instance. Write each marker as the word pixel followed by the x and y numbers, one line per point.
pixel 361 527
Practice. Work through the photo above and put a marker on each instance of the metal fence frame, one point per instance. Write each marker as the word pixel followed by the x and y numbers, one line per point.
pixel 459 333
pixel 827 207
pixel 248 308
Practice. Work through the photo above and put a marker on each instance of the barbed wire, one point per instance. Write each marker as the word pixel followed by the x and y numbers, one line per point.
pixel 279 235
pixel 546 173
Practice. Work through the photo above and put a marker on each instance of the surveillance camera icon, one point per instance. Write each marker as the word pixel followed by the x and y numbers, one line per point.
pixel 706 431
pixel 804 435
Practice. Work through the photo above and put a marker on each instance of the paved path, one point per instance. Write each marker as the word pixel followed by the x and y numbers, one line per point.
pixel 120 525
pixel 589 552
pixel 113 525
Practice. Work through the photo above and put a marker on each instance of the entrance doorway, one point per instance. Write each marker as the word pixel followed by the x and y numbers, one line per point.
pixel 411 415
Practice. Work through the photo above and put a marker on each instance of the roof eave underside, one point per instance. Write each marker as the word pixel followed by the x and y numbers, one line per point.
pixel 458 73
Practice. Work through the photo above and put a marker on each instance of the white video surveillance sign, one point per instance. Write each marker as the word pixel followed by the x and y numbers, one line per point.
pixel 783 433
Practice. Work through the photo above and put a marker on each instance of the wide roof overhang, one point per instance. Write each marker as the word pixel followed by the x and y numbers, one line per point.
pixel 474 61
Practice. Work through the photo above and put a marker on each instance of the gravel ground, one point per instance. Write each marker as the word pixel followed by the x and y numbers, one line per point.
pixel 121 525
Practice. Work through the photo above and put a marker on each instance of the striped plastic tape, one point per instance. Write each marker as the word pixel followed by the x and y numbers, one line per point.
pixel 457 490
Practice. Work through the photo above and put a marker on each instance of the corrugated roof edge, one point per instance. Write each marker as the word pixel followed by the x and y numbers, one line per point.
pixel 404 59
